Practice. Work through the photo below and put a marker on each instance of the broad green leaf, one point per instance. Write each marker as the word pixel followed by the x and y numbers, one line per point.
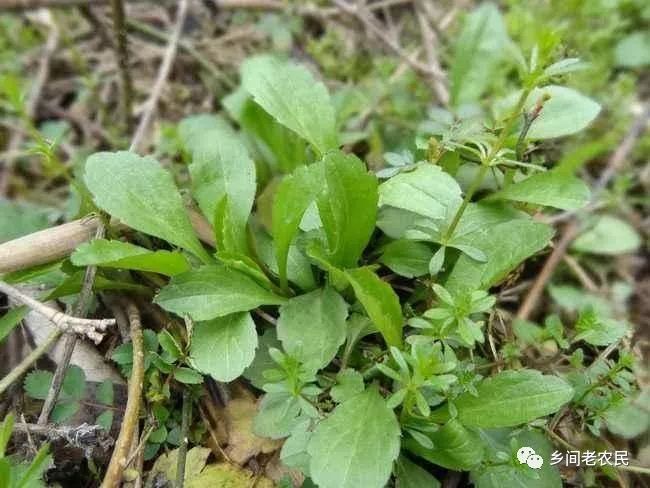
pixel 74 383
pixel 223 183
pixel 349 383
pixel 551 188
pixel 139 192
pixel 381 303
pixel 291 95
pixel 477 54
pixel 505 245
pixel 347 207
pixel 564 113
pixel 407 258
pixel 189 376
pixel 224 347
pixel 263 361
pixel 630 418
pixel 410 475
pixel 607 235
pixel 20 218
pixel 37 384
pixel 509 475
pixel 511 398
pixel 299 269
pixel 633 51
pixel 213 291
pixel 277 416
pixel 312 327
pixel 105 393
pixel 192 129
pixel 454 447
pixel 279 146
pixel 356 445
pixel 118 254
pixel 427 191
pixel 294 194
pixel 294 450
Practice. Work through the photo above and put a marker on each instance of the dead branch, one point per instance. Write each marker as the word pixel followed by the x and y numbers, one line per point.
pixel 86 437
pixel 163 73
pixel 47 245
pixel 429 39
pixel 122 53
pixel 81 309
pixel 92 328
pixel 115 469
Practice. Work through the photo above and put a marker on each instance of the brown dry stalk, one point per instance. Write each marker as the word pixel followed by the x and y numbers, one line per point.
pixel 113 477
pixel 91 328
pixel 122 53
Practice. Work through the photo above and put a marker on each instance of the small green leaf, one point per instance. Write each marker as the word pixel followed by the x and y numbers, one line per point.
pixel 630 418
pixel 64 411
pixel 34 474
pixel 105 420
pixel 511 398
pixel 349 383
pixel 291 95
pixel 380 302
pixel 608 235
pixel 6 429
pixel 11 319
pixel 213 291
pixel 454 447
pixel 294 450
pixel 37 384
pixel 74 383
pixel 312 327
pixel 348 451
pixel 426 191
pixel 633 51
pixel 169 344
pixel 598 330
pixel 224 347
pixel 477 54
pixel 118 254
pixel 20 218
pixel 187 376
pixel 104 393
pixel 407 258
pixel 410 475
pixel 551 188
pixel 262 361
pixel 143 196
pixel 277 416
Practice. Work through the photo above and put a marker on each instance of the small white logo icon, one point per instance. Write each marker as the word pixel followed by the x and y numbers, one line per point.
pixel 527 455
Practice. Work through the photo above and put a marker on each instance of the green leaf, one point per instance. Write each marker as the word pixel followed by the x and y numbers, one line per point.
pixel 188 376
pixel 348 451
pixel 223 183
pixel 349 383
pixel 11 319
pixel 347 207
pixel 118 254
pixel 64 411
pixel 263 360
pixel 20 218
pixel 105 420
pixel 598 330
pixel 477 54
pixel 608 236
pixel 633 51
pixel 505 245
pixel 410 475
pixel 279 146
pixel 105 393
pixel 629 418
pixel 298 266
pixel 564 113
pixel 143 196
pixel 506 475
pixel 312 327
pixel 224 347
pixel 511 398
pixel 407 258
pixel 277 416
pixel 34 473
pixel 213 291
pixel 551 188
pixel 37 384
pixel 294 194
pixel 291 95
pixel 454 447
pixel 380 302
pixel 6 428
pixel 169 344
pixel 427 191
pixel 74 383
pixel 294 450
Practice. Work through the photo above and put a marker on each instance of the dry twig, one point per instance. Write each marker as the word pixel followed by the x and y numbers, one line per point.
pixel 92 328
pixel 163 73
pixel 122 52
pixel 115 469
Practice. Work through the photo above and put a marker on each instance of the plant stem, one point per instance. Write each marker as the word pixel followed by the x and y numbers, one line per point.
pixel 122 51
pixel 487 163
pixel 182 449
pixel 27 363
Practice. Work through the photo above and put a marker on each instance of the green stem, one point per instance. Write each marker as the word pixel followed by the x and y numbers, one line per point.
pixel 182 450
pixel 487 163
